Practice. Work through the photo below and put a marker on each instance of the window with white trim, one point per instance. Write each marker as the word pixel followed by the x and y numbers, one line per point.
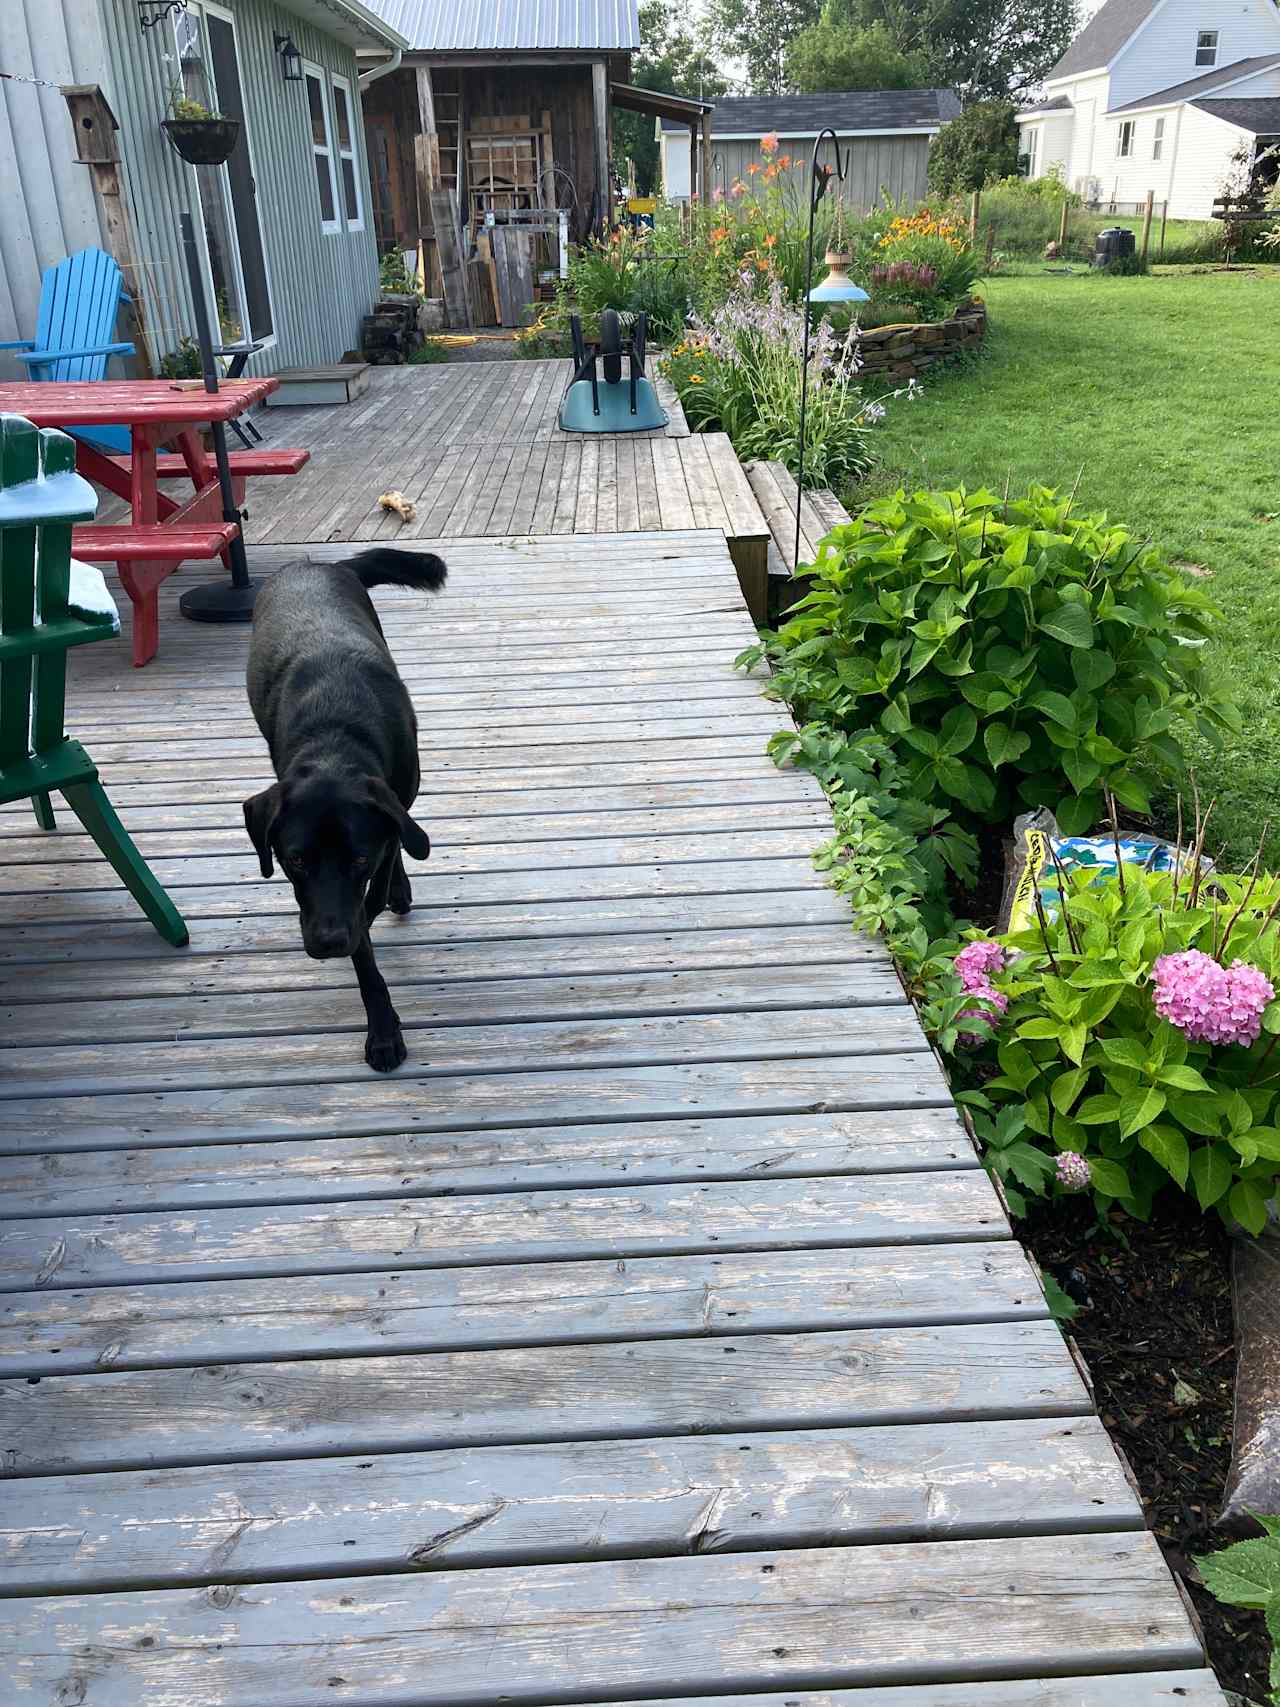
pixel 322 147
pixel 1157 140
pixel 1032 150
pixel 348 175
pixel 1207 47
pixel 1124 141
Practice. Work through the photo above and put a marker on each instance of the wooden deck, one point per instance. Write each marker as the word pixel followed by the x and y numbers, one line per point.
pixel 652 1334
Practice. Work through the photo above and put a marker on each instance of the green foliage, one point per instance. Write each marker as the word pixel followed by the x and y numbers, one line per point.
pixel 1248 1574
pixel 1126 267
pixel 628 273
pixel 984 49
pixel 891 854
pixel 979 147
pixel 184 362
pixel 428 351
pixel 1091 1067
pixel 757 33
pixel 828 55
pixel 393 275
pixel 672 62
pixel 956 268
pixel 1011 654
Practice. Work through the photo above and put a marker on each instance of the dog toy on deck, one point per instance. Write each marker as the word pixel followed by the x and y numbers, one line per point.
pixel 397 503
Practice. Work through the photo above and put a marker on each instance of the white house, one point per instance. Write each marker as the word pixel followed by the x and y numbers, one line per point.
pixel 1158 95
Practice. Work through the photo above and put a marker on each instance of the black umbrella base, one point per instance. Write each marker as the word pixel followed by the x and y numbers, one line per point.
pixel 219 601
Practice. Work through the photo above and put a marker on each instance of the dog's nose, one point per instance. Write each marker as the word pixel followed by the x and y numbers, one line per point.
pixel 326 944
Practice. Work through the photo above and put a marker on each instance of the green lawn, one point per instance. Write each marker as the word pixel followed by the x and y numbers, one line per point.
pixel 1163 395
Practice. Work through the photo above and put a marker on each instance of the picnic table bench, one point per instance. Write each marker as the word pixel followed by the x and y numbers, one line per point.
pixel 162 531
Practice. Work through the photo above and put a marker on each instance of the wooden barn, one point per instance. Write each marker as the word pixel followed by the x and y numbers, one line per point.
pixel 489 142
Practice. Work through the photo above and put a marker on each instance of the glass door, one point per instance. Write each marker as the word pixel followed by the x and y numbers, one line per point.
pixel 236 264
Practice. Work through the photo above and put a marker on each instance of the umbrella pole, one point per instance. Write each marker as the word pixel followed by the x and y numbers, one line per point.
pixel 218 601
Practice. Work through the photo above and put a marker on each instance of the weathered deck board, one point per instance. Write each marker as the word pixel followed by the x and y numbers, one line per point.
pixel 754 1215
pixel 136 1326
pixel 300 1409
pixel 664 1252
pixel 728 1621
pixel 500 1505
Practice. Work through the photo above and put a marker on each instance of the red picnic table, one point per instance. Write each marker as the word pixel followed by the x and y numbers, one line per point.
pixel 161 532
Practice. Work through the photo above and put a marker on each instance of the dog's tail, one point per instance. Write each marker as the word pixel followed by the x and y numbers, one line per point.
pixel 385 566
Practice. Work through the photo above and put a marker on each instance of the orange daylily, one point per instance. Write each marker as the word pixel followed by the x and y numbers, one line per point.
pixel 769 143
pixel 771 242
pixel 753 167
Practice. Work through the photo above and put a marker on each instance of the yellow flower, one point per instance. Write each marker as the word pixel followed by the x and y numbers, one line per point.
pixel 695 379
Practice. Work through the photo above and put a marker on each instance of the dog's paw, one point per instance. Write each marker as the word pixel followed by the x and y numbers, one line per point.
pixel 400 896
pixel 385 1050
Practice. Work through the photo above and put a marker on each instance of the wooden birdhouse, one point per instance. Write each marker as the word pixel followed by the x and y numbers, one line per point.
pixel 93 123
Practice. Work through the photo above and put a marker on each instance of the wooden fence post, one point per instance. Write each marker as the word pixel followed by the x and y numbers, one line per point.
pixel 974 205
pixel 1147 211
pixel 1164 220
pixel 1062 228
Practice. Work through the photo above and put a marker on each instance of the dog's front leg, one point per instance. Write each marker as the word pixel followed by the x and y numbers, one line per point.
pixel 384 1048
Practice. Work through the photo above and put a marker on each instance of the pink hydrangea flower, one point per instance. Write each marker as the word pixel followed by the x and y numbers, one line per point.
pixel 1073 1171
pixel 999 1004
pixel 1211 1003
pixel 976 962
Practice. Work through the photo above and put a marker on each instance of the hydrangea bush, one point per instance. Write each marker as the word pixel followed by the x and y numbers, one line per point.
pixel 1133 1038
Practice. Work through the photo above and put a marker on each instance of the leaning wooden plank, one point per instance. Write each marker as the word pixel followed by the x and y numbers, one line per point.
pixel 52 1332
pixel 1134 1689
pixel 432 1232
pixel 566 1632
pixel 317 1170
pixel 494 1506
pixel 466 1102
pixel 791 900
pixel 229 1412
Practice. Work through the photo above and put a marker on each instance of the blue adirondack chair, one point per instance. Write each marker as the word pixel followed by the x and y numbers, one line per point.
pixel 79 301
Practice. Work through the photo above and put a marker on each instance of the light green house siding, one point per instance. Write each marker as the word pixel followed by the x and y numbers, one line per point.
pixel 321 283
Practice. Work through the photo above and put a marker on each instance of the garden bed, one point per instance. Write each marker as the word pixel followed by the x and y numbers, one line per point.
pixel 1155 1330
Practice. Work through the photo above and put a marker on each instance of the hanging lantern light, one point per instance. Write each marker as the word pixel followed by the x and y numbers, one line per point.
pixel 290 59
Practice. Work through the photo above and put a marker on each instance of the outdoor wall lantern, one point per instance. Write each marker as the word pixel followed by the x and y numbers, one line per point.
pixel 155 11
pixel 290 59
pixel 837 286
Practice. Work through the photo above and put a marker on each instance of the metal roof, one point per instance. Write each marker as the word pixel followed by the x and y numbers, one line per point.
pixel 359 25
pixel 846 110
pixel 513 26
pixel 1221 78
pixel 1257 113
pixel 1102 37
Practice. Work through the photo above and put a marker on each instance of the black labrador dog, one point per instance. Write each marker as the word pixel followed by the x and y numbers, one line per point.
pixel 344 746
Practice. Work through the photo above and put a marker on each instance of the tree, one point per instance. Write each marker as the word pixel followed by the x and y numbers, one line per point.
pixel 758 32
pixel 829 55
pixel 975 149
pixel 670 62
pixel 984 49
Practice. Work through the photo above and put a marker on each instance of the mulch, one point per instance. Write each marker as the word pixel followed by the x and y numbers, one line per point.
pixel 1155 1329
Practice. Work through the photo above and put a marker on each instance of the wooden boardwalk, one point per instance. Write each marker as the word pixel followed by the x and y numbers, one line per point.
pixel 652 1334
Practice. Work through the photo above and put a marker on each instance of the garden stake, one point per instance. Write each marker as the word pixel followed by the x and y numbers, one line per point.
pixel 1044 934
pixel 1115 841
pixel 1177 858
pixel 1254 869
pixel 1067 921
pixel 819 178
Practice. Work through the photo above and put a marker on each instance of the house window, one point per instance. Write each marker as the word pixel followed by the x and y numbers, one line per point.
pixel 322 148
pixel 1033 151
pixel 1157 141
pixel 347 173
pixel 1207 47
pixel 1124 142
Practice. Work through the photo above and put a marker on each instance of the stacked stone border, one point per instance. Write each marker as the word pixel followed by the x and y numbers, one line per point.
pixel 903 352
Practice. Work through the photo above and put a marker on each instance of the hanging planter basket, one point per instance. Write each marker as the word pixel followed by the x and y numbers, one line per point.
pixel 203 142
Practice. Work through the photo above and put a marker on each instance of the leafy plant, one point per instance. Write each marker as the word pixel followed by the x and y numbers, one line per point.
pixel 741 374
pixel 1248 1574
pixel 938 247
pixel 182 363
pixel 1008 652
pixel 430 350
pixel 1139 1038
pixel 975 148
pixel 393 275
pixel 183 107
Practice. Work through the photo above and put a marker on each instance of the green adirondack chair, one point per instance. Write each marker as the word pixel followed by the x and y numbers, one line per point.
pixel 41 495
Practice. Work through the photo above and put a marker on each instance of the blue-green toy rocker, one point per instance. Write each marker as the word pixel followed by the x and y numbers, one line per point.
pixel 590 406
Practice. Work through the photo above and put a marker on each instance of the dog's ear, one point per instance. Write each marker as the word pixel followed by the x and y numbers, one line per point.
pixel 260 812
pixel 413 838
